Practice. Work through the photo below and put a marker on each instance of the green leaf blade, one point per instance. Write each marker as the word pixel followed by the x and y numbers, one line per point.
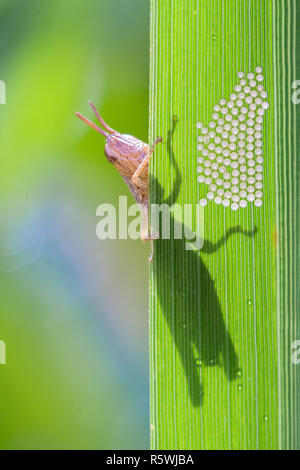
pixel 220 368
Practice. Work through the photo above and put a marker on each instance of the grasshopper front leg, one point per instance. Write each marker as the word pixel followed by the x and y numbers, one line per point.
pixel 143 168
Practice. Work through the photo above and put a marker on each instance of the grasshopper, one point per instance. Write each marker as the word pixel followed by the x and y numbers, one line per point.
pixel 130 156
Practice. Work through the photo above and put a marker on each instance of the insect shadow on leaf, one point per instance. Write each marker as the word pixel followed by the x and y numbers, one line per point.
pixel 188 296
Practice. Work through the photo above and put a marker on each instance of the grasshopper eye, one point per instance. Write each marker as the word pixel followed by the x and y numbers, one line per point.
pixel 109 155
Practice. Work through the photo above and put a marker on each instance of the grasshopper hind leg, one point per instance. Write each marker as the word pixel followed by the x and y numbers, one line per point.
pixel 145 235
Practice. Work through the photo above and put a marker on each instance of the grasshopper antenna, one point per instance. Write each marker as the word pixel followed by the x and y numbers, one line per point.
pixel 106 126
pixel 92 124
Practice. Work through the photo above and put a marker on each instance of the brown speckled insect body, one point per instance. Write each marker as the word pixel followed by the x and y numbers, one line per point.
pixel 130 156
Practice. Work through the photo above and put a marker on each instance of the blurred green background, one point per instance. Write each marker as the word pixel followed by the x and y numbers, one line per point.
pixel 74 312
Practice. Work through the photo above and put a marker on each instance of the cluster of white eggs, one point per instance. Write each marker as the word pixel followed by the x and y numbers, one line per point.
pixel 231 161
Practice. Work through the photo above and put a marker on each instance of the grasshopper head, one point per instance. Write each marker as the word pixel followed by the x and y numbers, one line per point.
pixel 119 148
